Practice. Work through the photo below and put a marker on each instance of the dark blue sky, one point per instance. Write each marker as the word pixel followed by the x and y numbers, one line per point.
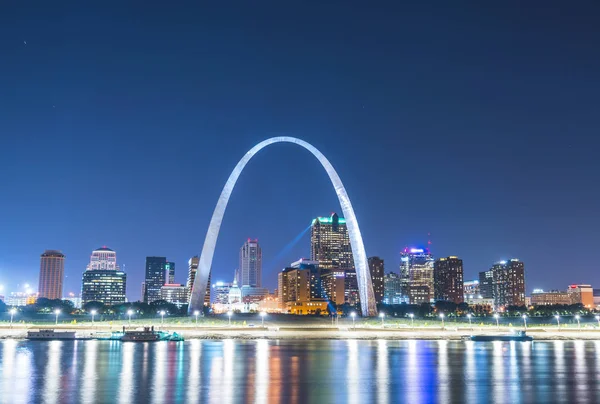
pixel 476 123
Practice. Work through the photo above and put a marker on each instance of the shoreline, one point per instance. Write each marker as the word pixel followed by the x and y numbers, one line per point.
pixel 316 333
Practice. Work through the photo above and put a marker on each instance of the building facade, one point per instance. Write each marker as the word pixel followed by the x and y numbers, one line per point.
pixel 170 273
pixel 103 281
pixel 393 289
pixel 250 270
pixel 448 279
pixel 220 291
pixel 52 272
pixel 416 274
pixel 471 288
pixel 330 243
pixel 507 280
pixel 582 294
pixel 193 264
pixel 553 297
pixel 174 293
pixel 155 278
pixel 376 268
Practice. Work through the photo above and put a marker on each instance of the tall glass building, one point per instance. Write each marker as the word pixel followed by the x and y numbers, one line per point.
pixel 250 271
pixel 103 281
pixel 330 243
pixel 416 275
pixel 156 277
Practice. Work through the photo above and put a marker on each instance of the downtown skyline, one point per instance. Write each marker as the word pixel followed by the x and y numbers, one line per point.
pixel 485 141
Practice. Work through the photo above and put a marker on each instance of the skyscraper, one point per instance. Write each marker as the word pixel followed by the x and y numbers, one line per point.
pixel 170 272
pixel 193 264
pixel 448 279
pixel 155 278
pixel 250 271
pixel 52 270
pixel 377 273
pixel 393 289
pixel 505 283
pixel 416 275
pixel 330 243
pixel 103 281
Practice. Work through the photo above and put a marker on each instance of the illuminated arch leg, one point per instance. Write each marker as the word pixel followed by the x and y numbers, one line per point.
pixel 365 286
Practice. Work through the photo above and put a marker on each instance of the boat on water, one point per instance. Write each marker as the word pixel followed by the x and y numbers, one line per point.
pixel 518 336
pixel 51 334
pixel 148 334
pixel 109 336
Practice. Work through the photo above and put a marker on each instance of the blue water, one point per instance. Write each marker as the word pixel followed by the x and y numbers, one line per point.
pixel 206 371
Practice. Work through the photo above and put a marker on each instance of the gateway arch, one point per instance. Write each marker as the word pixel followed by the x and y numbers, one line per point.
pixel 365 286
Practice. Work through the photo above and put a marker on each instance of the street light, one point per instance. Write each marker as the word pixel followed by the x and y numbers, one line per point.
pixel 196 313
pixel 412 320
pixel 162 317
pixel 353 315
pixel 93 313
pixel 130 313
pixel 57 312
pixel 229 313
pixel 557 317
pixel 577 317
pixel 262 316
pixel 525 320
pixel 469 317
pixel 382 315
pixel 598 320
pixel 13 311
pixel 442 317
pixel 496 316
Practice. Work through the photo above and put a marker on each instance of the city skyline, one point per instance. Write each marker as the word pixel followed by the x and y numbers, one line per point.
pixel 498 122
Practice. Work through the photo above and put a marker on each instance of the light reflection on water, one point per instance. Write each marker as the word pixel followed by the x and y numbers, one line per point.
pixel 264 371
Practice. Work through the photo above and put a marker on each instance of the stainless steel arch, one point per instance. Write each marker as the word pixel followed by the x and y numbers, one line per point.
pixel 365 286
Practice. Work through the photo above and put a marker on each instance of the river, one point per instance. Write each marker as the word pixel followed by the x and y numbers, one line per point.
pixel 319 371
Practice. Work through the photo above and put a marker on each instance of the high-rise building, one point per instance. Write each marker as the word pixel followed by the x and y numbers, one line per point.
pixel 393 289
pixel 103 281
pixel 155 278
pixel 193 264
pixel 300 282
pixel 448 279
pixel 351 295
pixel 250 270
pixel 170 273
pixel 507 279
pixel 333 283
pixel 330 243
pixel 52 271
pixel 377 273
pixel 416 275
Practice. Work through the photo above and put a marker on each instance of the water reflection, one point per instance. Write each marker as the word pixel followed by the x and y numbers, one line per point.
pixel 299 371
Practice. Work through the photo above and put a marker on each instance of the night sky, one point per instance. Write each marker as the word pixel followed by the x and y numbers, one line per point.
pixel 474 122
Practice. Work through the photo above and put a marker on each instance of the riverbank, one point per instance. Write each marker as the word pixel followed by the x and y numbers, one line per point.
pixel 19 331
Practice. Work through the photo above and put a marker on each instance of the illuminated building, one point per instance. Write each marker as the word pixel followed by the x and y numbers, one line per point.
pixel 333 282
pixel 192 269
pixel 21 298
pixel 307 307
pixel 174 293
pixel 52 269
pixel 393 289
pixel 541 298
pixel 351 293
pixel 300 282
pixel 582 294
pixel 507 279
pixel 253 294
pixel 76 300
pixel 471 288
pixel 416 274
pixel 235 293
pixel 376 268
pixel 156 277
pixel 330 243
pixel 250 270
pixel 221 292
pixel 448 279
pixel 103 281
pixel 170 273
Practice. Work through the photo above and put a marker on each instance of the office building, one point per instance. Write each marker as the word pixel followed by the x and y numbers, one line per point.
pixel 52 271
pixel 448 279
pixel 174 293
pixel 376 268
pixel 507 279
pixel 300 282
pixel 103 281
pixel 330 243
pixel 155 278
pixel 582 294
pixel 416 274
pixel 221 292
pixel 553 297
pixel 333 284
pixel 471 288
pixel 170 273
pixel 193 264
pixel 250 270
pixel 351 295
pixel 20 298
pixel 392 289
